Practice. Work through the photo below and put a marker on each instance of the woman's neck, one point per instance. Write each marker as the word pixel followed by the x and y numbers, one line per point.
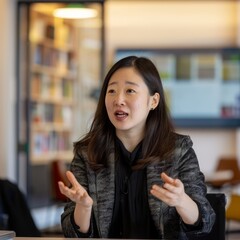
pixel 129 141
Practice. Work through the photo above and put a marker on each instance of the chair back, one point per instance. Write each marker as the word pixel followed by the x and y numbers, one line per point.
pixel 17 215
pixel 218 203
pixel 228 163
pixel 233 209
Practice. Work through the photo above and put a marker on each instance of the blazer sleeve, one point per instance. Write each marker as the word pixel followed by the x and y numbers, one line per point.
pixel 194 183
pixel 70 230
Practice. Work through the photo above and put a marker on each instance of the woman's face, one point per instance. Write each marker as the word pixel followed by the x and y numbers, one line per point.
pixel 128 102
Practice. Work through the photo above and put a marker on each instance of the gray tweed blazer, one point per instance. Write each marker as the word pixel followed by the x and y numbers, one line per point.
pixel 182 164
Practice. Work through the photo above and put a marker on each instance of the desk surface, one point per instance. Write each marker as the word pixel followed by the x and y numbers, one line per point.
pixel 45 238
pixel 6 235
pixel 52 238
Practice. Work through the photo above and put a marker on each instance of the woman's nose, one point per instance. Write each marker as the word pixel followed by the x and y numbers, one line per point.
pixel 119 99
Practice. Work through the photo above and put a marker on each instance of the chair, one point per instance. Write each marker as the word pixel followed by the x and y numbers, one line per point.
pixel 226 164
pixel 58 170
pixel 233 211
pixel 218 203
pixel 14 208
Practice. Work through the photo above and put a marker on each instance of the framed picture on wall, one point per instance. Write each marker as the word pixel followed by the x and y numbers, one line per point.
pixel 202 86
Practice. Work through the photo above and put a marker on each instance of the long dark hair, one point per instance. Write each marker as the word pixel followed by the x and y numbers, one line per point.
pixel 158 141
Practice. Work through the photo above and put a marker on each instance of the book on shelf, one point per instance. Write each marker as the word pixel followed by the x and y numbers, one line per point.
pixel 36 85
pixel 45 86
pixel 38 54
pixel 49 142
pixel 50 31
pixel 183 67
pixel 37 30
pixel 42 113
pixel 37 110
pixel 67 89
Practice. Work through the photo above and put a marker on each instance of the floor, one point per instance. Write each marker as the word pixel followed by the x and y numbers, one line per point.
pixel 235 236
pixel 235 227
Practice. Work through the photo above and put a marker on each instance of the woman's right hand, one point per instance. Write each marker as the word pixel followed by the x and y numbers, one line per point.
pixel 76 193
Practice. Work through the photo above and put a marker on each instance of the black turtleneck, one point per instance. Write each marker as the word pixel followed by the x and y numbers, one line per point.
pixel 131 215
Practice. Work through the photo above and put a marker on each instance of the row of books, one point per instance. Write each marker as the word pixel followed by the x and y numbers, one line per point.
pixel 50 142
pixel 184 68
pixel 45 86
pixel 233 110
pixel 50 113
pixel 230 111
pixel 53 57
pixel 43 29
pixel 193 66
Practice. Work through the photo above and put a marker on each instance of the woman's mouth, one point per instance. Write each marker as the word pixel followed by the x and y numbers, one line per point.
pixel 120 115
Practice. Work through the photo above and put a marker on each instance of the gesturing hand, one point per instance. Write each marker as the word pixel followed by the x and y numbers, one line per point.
pixel 76 193
pixel 172 191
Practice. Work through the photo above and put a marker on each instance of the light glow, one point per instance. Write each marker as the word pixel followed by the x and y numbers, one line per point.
pixel 75 13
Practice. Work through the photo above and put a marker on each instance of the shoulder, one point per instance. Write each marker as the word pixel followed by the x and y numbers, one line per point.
pixel 183 140
pixel 183 143
pixel 80 157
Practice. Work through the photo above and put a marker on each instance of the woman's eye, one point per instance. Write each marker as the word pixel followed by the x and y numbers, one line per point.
pixel 110 91
pixel 130 91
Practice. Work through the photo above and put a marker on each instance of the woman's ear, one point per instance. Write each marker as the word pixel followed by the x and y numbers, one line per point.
pixel 155 100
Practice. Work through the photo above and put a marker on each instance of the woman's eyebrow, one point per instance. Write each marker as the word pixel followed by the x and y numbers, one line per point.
pixel 132 83
pixel 127 83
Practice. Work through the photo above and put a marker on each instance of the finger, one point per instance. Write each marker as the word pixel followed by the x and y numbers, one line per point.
pixel 178 183
pixel 72 179
pixel 170 187
pixel 166 178
pixel 63 188
pixel 66 190
pixel 161 193
pixel 61 184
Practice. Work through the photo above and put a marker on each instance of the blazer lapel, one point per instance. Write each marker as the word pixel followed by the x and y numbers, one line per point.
pixel 102 190
pixel 158 208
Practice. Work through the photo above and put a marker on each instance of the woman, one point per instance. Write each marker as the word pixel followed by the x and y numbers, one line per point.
pixel 132 176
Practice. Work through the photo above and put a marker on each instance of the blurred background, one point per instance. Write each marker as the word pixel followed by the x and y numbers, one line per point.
pixel 52 68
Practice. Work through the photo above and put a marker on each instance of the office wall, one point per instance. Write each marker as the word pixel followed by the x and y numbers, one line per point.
pixel 7 89
pixel 170 24
pixel 175 24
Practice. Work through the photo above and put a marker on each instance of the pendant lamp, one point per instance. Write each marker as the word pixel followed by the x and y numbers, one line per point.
pixel 75 11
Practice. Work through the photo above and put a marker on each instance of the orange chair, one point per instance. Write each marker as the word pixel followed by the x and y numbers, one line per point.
pixel 226 164
pixel 233 211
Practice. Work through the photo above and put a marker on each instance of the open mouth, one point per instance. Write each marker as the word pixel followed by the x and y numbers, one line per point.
pixel 120 114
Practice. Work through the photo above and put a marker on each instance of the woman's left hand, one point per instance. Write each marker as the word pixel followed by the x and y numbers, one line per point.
pixel 171 192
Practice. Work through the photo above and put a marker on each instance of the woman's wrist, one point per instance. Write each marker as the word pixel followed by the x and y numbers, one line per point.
pixel 82 215
pixel 83 208
pixel 188 210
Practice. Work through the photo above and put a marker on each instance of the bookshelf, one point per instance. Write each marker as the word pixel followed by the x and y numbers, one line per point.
pixel 202 85
pixel 60 64
pixel 52 77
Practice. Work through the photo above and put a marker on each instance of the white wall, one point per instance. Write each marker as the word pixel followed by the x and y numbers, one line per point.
pixel 7 89
pixel 159 24
pixel 170 24
pixel 210 145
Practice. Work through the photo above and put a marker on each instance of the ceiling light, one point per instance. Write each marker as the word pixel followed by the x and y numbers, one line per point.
pixel 75 11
